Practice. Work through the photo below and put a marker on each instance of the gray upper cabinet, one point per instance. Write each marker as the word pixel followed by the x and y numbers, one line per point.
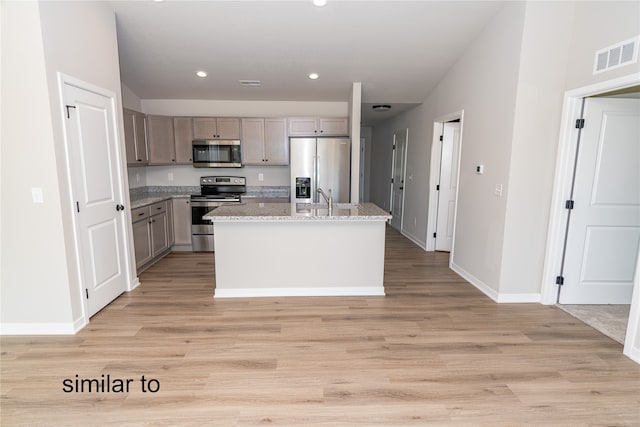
pixel 182 136
pixel 161 146
pixel 318 126
pixel 135 137
pixel 264 142
pixel 216 128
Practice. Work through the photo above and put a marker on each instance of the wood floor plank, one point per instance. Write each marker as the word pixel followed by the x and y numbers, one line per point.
pixel 434 351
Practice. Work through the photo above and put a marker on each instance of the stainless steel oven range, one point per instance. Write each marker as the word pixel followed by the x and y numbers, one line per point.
pixel 215 191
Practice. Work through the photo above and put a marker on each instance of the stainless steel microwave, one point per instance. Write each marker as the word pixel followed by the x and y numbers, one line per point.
pixel 217 153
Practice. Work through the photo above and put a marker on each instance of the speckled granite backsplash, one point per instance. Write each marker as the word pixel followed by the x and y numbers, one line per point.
pixel 152 190
pixel 273 191
pixel 257 192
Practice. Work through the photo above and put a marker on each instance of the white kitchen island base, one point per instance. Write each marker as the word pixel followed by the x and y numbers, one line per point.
pixel 260 257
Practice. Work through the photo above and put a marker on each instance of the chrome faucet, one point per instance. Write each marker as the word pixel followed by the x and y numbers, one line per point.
pixel 328 199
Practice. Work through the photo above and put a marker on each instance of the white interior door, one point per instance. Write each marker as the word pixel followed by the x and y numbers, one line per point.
pixel 447 186
pixel 95 174
pixel 604 230
pixel 397 185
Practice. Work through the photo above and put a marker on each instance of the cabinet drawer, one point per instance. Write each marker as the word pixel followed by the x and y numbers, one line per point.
pixel 157 208
pixel 140 214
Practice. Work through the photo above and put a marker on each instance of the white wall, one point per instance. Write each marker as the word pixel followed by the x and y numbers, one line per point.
pixel 34 282
pixel 39 281
pixel 543 63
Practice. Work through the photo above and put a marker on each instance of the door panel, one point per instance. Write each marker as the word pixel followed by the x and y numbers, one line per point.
pixel 397 187
pixel 604 230
pixel 448 184
pixel 96 172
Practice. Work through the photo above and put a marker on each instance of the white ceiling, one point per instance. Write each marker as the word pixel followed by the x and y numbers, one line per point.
pixel 399 50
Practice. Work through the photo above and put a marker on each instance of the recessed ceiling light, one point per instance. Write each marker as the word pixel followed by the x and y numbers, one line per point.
pixel 319 3
pixel 201 74
pixel 381 107
pixel 313 76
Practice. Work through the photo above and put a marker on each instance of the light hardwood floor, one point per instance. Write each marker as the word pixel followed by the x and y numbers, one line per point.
pixel 434 351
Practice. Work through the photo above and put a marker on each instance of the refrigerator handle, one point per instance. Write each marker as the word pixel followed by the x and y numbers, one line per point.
pixel 314 181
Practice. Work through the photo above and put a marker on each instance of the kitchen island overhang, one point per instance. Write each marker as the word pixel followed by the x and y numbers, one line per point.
pixel 284 249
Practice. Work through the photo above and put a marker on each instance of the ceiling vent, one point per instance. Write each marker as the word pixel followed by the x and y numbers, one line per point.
pixel 250 82
pixel 616 56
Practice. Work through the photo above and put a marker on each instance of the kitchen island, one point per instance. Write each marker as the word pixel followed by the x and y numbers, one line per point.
pixel 286 249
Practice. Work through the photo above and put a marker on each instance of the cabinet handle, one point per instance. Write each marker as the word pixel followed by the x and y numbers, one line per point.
pixel 139 160
pixel 141 213
pixel 173 160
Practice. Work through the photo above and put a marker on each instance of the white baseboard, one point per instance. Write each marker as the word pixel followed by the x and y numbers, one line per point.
pixel 519 298
pixel 300 292
pixel 134 284
pixel 414 239
pixel 491 293
pixel 67 328
pixel 483 287
pixel 633 354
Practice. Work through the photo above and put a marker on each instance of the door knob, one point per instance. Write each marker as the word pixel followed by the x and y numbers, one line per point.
pixel 119 208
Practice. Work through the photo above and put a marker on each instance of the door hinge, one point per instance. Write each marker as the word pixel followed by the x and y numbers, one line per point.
pixel 579 123
pixel 392 180
pixel 568 204
pixel 438 187
pixel 560 280
pixel 78 206
pixel 86 292
pixel 434 235
pixel 69 106
pixel 441 138
pixel 394 145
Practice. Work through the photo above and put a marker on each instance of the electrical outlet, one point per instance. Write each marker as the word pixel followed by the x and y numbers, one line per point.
pixel 37 195
pixel 498 190
pixel 170 175
pixel 137 177
pixel 260 177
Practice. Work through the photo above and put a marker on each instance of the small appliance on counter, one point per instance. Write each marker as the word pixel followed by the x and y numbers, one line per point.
pixel 214 191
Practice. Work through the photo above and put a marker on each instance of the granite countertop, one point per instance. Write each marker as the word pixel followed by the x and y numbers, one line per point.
pixel 297 212
pixel 145 196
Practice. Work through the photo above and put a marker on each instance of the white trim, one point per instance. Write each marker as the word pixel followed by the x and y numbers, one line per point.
pixel 562 181
pixel 632 348
pixel 62 328
pixel 300 292
pixel 434 175
pixel 64 79
pixel 482 287
pixel 414 239
pixel 519 298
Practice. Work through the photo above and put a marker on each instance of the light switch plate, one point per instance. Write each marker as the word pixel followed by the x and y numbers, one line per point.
pixel 36 195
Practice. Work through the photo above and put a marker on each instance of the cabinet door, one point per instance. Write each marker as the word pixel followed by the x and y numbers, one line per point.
pixel 170 234
pixel 205 128
pixel 142 150
pixel 159 233
pixel 182 221
pixel 228 128
pixel 334 126
pixel 142 241
pixel 161 148
pixel 303 126
pixel 253 142
pixel 129 136
pixel 276 143
pixel 183 135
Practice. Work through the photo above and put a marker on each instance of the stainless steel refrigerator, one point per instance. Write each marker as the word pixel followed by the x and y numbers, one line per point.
pixel 320 163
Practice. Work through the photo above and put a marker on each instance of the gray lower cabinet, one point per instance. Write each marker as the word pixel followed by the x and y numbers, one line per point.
pixel 182 221
pixel 151 234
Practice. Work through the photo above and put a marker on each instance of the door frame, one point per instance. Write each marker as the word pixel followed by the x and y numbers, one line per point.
pixel 393 172
pixel 565 158
pixel 64 79
pixel 434 178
